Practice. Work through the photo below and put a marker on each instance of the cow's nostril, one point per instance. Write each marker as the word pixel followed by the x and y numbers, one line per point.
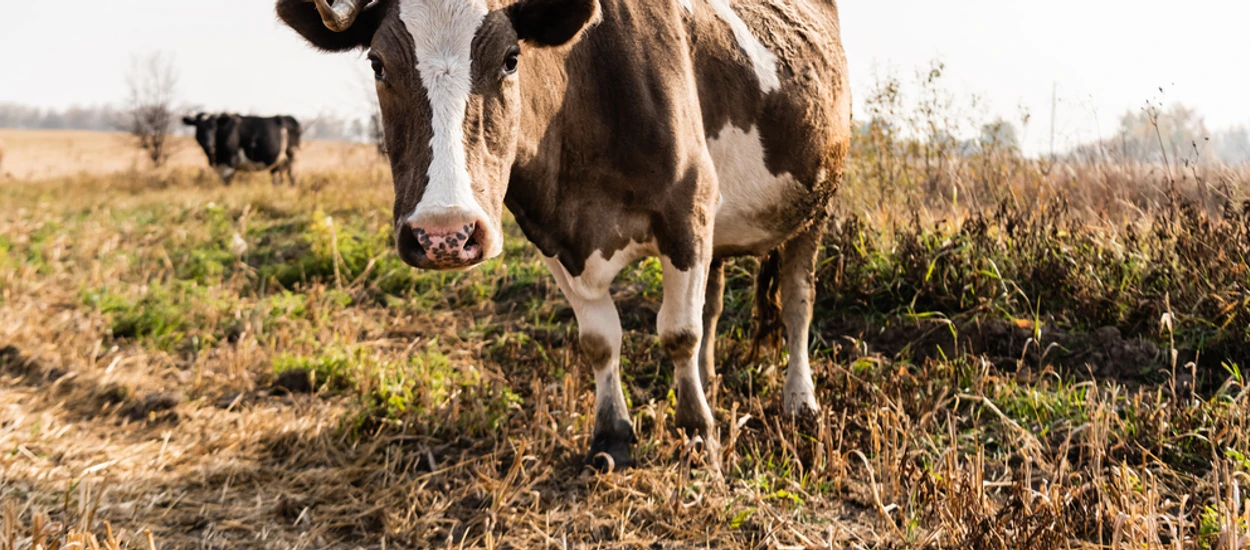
pixel 470 234
pixel 411 250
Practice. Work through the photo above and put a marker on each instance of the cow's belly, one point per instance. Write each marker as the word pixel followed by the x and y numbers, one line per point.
pixel 752 216
pixel 247 164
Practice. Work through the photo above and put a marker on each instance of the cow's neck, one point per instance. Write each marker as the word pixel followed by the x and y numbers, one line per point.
pixel 596 149
pixel 534 194
pixel 606 126
pixel 544 85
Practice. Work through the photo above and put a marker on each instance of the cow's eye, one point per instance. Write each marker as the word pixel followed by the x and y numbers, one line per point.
pixel 379 70
pixel 510 62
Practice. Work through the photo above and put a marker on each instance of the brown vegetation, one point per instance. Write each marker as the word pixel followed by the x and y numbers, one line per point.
pixel 1010 354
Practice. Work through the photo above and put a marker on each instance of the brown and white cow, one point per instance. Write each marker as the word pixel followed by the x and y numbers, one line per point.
pixel 613 129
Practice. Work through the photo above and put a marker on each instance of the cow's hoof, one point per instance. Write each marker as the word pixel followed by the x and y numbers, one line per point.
pixel 802 406
pixel 610 456
pixel 610 450
pixel 801 402
pixel 700 452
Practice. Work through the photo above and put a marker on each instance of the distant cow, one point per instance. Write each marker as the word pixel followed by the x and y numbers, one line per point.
pixel 235 143
pixel 692 130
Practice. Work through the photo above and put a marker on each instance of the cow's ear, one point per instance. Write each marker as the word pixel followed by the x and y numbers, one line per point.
pixel 188 121
pixel 552 22
pixel 302 15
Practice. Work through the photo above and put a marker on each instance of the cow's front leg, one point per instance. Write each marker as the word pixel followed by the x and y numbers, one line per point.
pixel 681 330
pixel 599 327
pixel 226 173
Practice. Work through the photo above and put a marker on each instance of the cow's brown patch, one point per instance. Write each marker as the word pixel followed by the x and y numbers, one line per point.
pixel 679 345
pixel 597 350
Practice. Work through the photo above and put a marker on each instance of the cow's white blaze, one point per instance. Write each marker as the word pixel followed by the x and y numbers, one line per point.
pixel 442 32
pixel 747 188
pixel 762 60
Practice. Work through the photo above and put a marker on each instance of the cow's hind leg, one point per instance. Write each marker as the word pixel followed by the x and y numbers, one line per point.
pixel 713 304
pixel 290 166
pixel 599 327
pixel 798 295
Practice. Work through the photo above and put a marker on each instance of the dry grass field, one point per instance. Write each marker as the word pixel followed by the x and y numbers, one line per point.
pixel 1011 355
pixel 43 154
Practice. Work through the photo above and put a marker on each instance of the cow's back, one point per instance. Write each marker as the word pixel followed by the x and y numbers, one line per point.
pixel 808 115
pixel 775 99
pixel 608 145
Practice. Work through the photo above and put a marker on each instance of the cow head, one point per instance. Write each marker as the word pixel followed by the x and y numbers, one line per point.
pixel 447 84
pixel 205 133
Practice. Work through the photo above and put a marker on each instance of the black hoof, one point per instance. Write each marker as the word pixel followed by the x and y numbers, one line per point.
pixel 610 450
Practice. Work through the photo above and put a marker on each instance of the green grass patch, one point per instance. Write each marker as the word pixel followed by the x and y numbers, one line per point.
pixel 427 392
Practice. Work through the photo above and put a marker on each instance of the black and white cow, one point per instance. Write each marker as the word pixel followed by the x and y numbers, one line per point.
pixel 235 143
pixel 694 130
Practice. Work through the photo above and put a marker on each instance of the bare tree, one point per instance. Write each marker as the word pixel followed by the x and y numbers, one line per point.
pixel 377 134
pixel 151 107
pixel 374 133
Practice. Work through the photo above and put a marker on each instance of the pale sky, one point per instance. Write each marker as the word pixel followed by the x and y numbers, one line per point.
pixel 1106 56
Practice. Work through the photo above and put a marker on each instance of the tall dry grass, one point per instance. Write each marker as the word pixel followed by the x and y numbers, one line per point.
pixel 1010 353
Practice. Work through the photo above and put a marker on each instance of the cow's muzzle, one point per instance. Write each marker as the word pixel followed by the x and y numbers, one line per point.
pixel 454 246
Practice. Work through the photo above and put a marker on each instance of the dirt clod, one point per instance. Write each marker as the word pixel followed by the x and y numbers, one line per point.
pixel 155 402
pixel 293 381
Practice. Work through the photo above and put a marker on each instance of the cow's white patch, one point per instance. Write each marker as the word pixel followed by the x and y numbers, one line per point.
pixel 284 142
pixel 596 278
pixel 246 164
pixel 596 314
pixel 799 391
pixel 762 60
pixel 442 32
pixel 682 307
pixel 797 294
pixel 747 188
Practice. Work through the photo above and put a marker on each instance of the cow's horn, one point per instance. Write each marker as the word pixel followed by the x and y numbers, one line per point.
pixel 340 16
